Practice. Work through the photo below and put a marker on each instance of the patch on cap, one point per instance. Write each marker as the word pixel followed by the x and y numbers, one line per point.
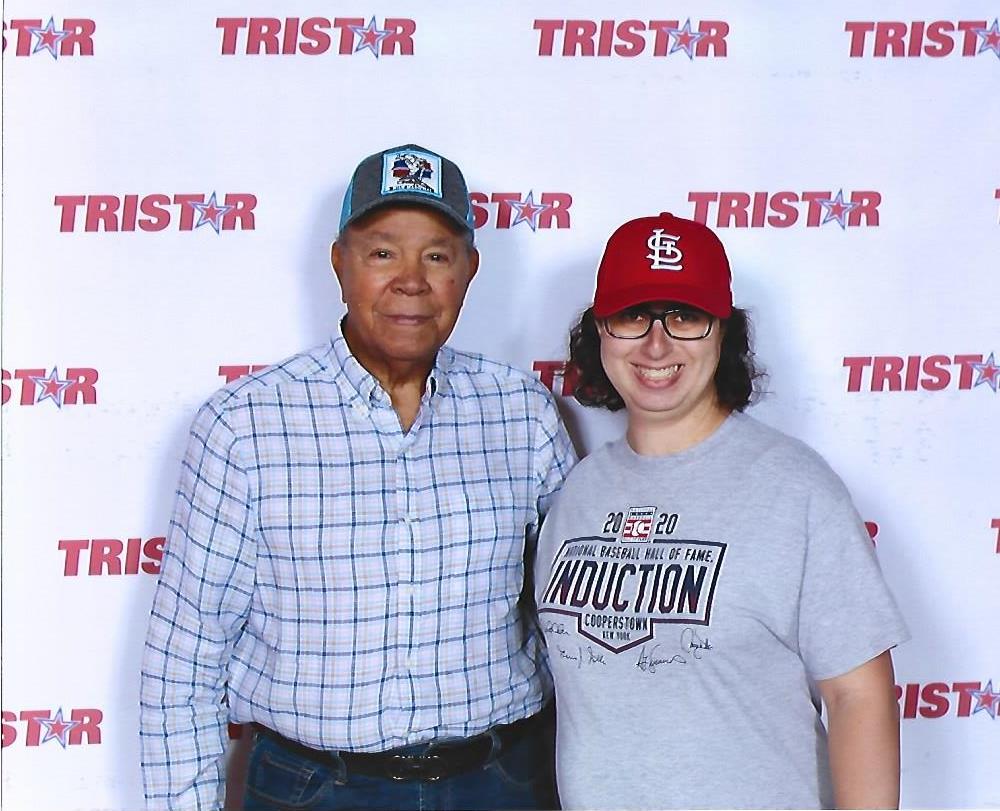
pixel 410 170
pixel 664 252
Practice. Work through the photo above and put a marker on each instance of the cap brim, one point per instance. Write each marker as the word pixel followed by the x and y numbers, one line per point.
pixel 404 199
pixel 720 307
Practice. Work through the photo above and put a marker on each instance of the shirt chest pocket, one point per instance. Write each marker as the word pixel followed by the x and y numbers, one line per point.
pixel 483 530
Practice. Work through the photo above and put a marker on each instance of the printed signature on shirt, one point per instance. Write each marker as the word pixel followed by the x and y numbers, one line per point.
pixel 582 656
pixel 555 628
pixel 648 662
pixel 691 641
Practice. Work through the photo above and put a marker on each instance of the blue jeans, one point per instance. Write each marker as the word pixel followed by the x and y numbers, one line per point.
pixel 521 777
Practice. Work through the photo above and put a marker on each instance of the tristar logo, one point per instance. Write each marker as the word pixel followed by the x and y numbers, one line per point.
pixel 42 726
pixel 783 209
pixel 619 590
pixel 663 251
pixel 109 556
pixel 155 212
pixel 628 38
pixel 546 210
pixel 41 385
pixel 939 38
pixel 877 373
pixel 549 371
pixel 233 372
pixel 411 171
pixel 312 36
pixel 73 37
pixel 937 699
pixel 638 524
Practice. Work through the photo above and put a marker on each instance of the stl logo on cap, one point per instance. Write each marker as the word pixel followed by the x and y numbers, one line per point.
pixel 663 251
pixel 411 171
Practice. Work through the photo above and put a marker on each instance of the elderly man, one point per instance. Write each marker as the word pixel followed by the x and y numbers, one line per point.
pixel 346 559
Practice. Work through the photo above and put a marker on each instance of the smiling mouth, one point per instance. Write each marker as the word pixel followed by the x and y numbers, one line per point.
pixel 408 319
pixel 660 373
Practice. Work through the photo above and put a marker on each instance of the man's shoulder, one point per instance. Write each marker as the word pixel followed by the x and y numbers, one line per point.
pixel 471 372
pixel 291 374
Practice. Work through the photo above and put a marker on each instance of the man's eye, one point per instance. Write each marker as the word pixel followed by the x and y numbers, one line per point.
pixel 437 257
pixel 381 253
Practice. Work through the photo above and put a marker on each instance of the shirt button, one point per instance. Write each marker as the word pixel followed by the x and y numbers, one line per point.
pixel 360 407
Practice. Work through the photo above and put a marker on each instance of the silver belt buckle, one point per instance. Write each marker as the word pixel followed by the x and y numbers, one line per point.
pixel 415 767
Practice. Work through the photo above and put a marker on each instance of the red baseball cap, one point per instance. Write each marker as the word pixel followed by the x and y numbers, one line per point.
pixel 664 258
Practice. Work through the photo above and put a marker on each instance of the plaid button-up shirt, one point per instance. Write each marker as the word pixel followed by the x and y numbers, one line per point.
pixel 340 581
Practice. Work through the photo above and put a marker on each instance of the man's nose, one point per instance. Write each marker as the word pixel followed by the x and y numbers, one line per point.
pixel 412 276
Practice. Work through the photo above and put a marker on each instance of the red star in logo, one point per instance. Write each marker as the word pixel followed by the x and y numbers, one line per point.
pixel 52 387
pixel 369 37
pixel 990 37
pixel 210 213
pixel 48 38
pixel 986 699
pixel 56 728
pixel 527 211
pixel 989 373
pixel 684 39
pixel 836 208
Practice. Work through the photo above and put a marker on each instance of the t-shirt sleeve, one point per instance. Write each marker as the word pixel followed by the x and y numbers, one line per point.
pixel 847 614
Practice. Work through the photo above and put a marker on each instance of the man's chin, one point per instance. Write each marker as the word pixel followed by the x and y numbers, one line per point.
pixel 416 352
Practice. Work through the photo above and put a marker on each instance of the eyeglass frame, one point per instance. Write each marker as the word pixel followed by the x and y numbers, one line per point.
pixel 662 318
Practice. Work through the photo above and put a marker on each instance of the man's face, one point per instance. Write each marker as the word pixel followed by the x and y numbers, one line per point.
pixel 403 274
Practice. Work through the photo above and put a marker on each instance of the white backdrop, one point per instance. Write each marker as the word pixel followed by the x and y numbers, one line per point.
pixel 778 104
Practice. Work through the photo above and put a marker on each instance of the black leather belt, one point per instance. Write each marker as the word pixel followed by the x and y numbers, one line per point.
pixel 440 759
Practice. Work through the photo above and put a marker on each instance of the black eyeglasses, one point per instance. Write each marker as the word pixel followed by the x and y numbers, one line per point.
pixel 682 324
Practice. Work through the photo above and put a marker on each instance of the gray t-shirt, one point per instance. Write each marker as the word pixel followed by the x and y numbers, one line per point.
pixel 689 602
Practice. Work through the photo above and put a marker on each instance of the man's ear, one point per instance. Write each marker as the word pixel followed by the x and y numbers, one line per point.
pixel 335 254
pixel 336 264
pixel 473 263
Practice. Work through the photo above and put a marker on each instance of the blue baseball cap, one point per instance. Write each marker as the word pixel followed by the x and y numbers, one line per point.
pixel 410 175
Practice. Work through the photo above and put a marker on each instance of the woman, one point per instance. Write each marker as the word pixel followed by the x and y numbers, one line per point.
pixel 705 581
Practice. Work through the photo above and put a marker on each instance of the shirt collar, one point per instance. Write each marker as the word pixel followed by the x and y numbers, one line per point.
pixel 366 384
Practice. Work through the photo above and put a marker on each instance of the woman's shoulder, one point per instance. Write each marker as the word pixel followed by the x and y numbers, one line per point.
pixel 781 454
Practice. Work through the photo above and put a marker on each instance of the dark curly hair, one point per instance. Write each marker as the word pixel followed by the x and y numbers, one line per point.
pixel 734 378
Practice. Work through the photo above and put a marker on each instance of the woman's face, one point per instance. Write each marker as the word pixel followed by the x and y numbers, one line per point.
pixel 663 380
